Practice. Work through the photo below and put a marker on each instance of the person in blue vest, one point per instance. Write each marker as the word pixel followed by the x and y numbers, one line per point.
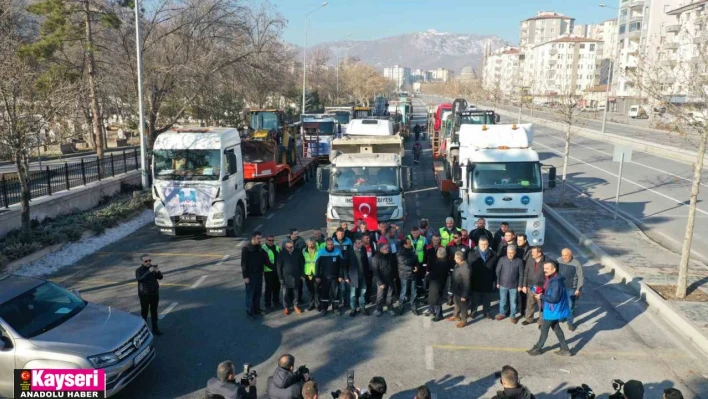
pixel 328 274
pixel 270 275
pixel 345 245
pixel 555 308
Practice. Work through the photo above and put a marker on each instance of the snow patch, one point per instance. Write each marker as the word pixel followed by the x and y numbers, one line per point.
pixel 73 252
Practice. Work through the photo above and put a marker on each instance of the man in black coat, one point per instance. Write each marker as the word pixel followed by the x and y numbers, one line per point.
pixel 460 287
pixel 483 263
pixel 290 267
pixel 509 239
pixel 329 273
pixel 225 384
pixel 481 231
pixel 285 383
pixel 147 275
pixel 408 266
pixel 253 258
pixel 385 272
pixel 355 275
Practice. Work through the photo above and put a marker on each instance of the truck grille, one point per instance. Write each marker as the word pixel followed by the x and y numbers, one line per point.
pixel 130 346
pixel 519 226
pixel 507 210
pixel 346 213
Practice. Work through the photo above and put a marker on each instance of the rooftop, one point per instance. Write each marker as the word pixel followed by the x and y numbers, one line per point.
pixel 548 15
pixel 687 7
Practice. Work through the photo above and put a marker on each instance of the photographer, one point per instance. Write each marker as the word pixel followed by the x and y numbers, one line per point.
pixel 286 383
pixel 512 388
pixel 225 384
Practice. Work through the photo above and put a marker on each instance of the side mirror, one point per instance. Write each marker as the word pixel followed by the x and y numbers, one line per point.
pixel 552 173
pixel 407 175
pixel 323 177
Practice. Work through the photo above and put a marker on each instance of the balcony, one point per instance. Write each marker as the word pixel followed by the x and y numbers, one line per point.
pixel 636 18
pixel 634 35
pixel 670 46
pixel 636 4
pixel 672 28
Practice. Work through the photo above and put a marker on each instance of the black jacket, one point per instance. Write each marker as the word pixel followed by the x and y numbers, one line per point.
pixel 284 385
pixel 477 233
pixel 452 248
pixel 290 267
pixel 439 269
pixel 230 390
pixel 253 257
pixel 514 393
pixel 510 272
pixel 498 237
pixel 330 265
pixel 351 271
pixel 407 260
pixel 483 271
pixel 147 281
pixel 383 269
pixel 523 253
pixel 461 280
pixel 534 275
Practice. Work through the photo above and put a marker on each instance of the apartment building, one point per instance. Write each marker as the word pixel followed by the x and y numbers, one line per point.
pixel 399 74
pixel 564 66
pixel 442 74
pixel 543 27
pixel 501 73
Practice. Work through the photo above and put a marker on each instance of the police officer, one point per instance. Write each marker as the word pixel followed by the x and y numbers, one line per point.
pixel 311 253
pixel 419 243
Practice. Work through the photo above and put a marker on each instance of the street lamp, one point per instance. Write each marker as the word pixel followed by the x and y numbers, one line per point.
pixel 304 56
pixel 609 75
pixel 141 126
pixel 337 54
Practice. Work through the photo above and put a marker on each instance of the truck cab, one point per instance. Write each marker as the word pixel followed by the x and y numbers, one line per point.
pixel 318 133
pixel 363 112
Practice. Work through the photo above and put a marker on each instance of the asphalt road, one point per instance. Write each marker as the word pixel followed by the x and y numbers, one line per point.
pixel 204 322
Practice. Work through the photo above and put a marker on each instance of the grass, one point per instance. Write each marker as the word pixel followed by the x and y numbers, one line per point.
pixel 668 292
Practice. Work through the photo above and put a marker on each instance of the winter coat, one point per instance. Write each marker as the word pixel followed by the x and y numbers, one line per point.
pixel 461 280
pixel 483 271
pixel 532 275
pixel 299 244
pixel 501 249
pixel 329 265
pixel 573 273
pixel 351 271
pixel 290 267
pixel 230 390
pixel 383 269
pixel 437 279
pixel 510 272
pixel 284 385
pixel 147 281
pixel 498 237
pixel 253 258
pixel 555 299
pixel 430 255
pixel 477 233
pixel 523 253
pixel 452 248
pixel 407 261
pixel 515 393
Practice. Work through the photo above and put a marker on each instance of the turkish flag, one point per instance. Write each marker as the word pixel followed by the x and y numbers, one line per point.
pixel 365 209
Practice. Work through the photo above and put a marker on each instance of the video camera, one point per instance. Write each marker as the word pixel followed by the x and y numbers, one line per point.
pixel 350 386
pixel 248 375
pixel 301 371
pixel 581 392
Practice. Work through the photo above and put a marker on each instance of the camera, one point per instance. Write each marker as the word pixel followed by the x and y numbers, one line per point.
pixel 248 375
pixel 350 385
pixel 301 371
pixel 617 386
pixel 581 392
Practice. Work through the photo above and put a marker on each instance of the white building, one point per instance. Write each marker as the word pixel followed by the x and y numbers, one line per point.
pixel 565 66
pixel 399 74
pixel 501 73
pixel 543 27
pixel 441 74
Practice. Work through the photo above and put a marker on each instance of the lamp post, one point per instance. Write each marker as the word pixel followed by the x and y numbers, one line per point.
pixel 337 54
pixel 304 57
pixel 609 74
pixel 141 112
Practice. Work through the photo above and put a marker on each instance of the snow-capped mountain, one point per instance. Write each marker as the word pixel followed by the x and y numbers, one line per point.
pixel 424 50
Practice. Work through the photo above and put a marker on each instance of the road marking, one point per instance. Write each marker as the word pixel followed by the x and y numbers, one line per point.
pixel 168 310
pixel 224 259
pixel 270 216
pixel 200 255
pixel 201 279
pixel 429 364
pixel 421 190
pixel 257 227
pixel 280 205
pixel 290 198
pixel 680 203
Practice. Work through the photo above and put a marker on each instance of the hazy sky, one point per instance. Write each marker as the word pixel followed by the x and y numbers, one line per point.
pixel 373 19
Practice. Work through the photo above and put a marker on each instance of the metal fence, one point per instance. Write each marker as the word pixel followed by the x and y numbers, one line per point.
pixel 53 179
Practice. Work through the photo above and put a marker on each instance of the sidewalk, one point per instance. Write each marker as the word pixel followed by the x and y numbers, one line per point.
pixel 624 250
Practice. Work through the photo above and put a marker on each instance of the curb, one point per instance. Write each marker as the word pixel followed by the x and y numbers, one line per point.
pixel 650 297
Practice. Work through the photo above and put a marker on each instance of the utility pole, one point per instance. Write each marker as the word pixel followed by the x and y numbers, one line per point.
pixel 141 112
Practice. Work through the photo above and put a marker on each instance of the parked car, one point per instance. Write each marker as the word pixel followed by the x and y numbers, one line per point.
pixel 43 325
pixel 637 112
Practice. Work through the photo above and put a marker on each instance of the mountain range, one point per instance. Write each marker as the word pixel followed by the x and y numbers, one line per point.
pixel 425 50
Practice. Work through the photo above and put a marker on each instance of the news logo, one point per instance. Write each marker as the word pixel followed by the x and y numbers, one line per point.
pixel 60 383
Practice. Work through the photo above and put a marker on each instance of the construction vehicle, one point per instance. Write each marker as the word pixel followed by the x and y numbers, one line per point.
pixel 500 179
pixel 363 112
pixel 198 182
pixel 342 115
pixel 401 112
pixel 380 106
pixel 318 131
pixel 266 120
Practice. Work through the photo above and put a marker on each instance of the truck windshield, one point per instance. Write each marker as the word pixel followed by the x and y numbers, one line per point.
pixel 341 117
pixel 361 114
pixel 506 177
pixel 479 119
pixel 187 164
pixel 40 309
pixel 324 128
pixel 365 179
pixel 264 121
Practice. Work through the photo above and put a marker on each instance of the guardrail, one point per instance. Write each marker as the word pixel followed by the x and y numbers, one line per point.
pixel 65 177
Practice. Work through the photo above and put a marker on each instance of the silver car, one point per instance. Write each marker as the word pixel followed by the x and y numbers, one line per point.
pixel 42 325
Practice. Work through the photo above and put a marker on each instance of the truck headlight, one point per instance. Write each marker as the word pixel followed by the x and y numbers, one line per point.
pixel 536 224
pixel 536 233
pixel 103 360
pixel 217 216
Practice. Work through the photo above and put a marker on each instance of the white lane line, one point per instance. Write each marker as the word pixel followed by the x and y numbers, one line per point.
pixel 257 227
pixel 290 197
pixel 680 203
pixel 166 311
pixel 427 323
pixel 280 205
pixel 270 216
pixel 429 364
pixel 634 162
pixel 223 259
pixel 196 283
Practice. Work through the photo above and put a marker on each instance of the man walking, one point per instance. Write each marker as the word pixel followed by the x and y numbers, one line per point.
pixel 290 266
pixel 253 258
pixel 533 277
pixel 572 272
pixel 310 255
pixel 147 275
pixel 407 269
pixel 355 275
pixel 328 267
pixel 384 274
pixel 272 284
pixel 461 281
pixel 416 130
pixel 555 309
pixel 510 271
pixel 483 264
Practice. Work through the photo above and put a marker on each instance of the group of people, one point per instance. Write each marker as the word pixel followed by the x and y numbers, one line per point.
pixel 463 268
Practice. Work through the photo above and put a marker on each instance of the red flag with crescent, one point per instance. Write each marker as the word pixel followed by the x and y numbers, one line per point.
pixel 365 209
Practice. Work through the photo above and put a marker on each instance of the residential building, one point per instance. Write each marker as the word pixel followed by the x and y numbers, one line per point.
pixel 501 73
pixel 441 74
pixel 544 27
pixel 595 97
pixel 399 74
pixel 565 66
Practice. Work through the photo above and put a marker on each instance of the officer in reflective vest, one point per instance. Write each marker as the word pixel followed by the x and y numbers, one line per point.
pixel 419 243
pixel 272 283
pixel 446 232
pixel 311 253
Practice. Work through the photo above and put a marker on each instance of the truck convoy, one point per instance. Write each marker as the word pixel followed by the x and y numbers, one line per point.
pixel 318 131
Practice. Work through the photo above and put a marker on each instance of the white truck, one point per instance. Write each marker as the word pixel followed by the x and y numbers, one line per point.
pixel 368 167
pixel 500 179
pixel 198 182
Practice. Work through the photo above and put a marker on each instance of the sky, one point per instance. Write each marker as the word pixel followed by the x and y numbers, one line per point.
pixel 376 19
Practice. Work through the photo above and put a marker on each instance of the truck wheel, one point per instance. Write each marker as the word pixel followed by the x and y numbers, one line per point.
pixel 271 195
pixel 238 221
pixel 262 206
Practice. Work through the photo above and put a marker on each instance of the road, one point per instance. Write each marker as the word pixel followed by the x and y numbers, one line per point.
pixel 654 190
pixel 204 322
